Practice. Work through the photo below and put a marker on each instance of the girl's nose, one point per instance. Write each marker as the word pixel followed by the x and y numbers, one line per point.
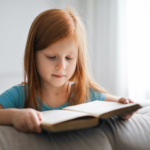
pixel 61 65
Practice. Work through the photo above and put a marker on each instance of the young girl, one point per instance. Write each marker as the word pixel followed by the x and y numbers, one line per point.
pixel 55 72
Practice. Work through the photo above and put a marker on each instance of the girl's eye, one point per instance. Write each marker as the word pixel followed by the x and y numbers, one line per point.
pixel 52 57
pixel 68 58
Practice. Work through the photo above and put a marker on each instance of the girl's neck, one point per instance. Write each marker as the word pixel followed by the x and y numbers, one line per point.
pixel 55 96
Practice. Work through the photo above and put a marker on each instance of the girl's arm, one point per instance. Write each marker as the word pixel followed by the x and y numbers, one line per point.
pixel 111 98
pixel 26 120
pixel 6 115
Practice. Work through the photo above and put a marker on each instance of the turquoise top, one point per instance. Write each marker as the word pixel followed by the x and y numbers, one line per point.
pixel 15 98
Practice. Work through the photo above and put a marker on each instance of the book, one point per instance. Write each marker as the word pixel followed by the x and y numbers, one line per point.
pixel 83 115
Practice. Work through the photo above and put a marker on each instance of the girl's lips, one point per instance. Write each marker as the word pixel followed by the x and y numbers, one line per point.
pixel 58 76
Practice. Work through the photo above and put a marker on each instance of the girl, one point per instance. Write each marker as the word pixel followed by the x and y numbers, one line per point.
pixel 55 72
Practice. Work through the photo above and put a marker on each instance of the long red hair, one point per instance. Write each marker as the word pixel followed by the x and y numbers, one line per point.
pixel 49 27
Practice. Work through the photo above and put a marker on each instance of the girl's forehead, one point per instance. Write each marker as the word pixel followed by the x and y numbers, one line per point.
pixel 56 51
pixel 68 44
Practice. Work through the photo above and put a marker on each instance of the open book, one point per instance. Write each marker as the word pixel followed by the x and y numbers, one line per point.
pixel 83 115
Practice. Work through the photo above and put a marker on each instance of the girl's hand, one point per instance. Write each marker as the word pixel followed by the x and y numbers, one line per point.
pixel 126 101
pixel 27 120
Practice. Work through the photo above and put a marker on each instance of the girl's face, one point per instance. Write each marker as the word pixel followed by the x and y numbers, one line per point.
pixel 57 63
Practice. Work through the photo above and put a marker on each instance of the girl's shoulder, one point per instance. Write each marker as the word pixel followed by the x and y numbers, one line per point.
pixel 96 95
pixel 17 89
pixel 13 97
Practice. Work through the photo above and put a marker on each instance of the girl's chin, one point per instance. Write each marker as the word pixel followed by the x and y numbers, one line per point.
pixel 58 84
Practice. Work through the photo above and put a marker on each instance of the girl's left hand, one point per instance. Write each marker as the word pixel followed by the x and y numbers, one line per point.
pixel 126 101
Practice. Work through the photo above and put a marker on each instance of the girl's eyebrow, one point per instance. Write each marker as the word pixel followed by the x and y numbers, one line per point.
pixel 71 52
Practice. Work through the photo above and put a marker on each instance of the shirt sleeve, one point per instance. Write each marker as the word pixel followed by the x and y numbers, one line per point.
pixel 95 95
pixel 11 98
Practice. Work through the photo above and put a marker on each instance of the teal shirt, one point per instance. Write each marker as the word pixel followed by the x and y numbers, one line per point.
pixel 15 98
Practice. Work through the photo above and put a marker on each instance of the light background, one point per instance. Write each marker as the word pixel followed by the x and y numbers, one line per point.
pixel 108 23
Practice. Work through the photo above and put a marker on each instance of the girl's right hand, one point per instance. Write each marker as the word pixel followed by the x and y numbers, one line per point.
pixel 27 120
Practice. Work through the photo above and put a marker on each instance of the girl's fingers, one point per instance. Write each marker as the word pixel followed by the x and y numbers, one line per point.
pixel 39 118
pixel 28 120
pixel 25 127
pixel 127 116
pixel 39 115
pixel 126 101
pixel 130 101
pixel 30 125
pixel 34 122
pixel 123 100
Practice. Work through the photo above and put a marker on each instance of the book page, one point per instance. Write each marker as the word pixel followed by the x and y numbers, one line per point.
pixel 57 116
pixel 96 108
